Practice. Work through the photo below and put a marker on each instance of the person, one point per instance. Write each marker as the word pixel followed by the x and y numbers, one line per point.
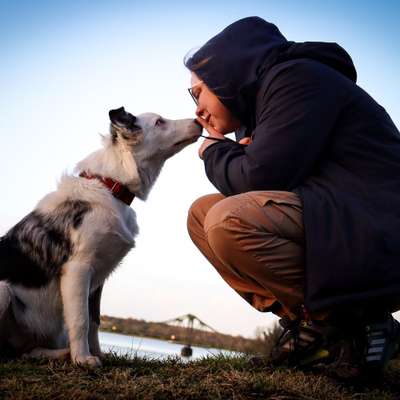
pixel 306 220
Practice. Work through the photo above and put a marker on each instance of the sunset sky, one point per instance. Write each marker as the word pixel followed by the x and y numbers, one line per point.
pixel 64 64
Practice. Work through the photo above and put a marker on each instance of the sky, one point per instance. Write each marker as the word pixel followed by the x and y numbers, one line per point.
pixel 64 64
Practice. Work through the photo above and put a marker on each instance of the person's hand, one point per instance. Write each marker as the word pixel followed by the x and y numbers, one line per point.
pixel 213 132
pixel 246 141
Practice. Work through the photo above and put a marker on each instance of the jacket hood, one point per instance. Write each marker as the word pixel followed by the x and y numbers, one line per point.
pixel 233 62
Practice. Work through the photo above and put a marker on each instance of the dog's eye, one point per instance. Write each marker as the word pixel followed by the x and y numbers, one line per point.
pixel 160 122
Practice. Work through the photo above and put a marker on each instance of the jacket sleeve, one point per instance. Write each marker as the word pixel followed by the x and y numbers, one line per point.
pixel 298 109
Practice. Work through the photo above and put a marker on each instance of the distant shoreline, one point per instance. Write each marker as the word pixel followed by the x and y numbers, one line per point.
pixel 177 334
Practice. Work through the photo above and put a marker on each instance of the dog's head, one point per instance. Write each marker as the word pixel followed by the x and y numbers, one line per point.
pixel 151 136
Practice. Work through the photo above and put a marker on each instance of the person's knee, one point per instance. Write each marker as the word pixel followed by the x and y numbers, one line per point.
pixel 198 211
pixel 221 212
pixel 222 224
pixel 197 207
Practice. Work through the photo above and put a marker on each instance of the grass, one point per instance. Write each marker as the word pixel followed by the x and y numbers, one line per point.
pixel 209 378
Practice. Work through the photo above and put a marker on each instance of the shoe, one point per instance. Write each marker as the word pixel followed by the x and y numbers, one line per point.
pixel 381 344
pixel 305 343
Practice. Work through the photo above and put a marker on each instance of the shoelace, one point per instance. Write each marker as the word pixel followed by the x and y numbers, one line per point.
pixel 290 332
pixel 297 338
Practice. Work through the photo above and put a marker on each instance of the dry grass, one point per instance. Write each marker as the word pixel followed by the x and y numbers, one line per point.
pixel 213 378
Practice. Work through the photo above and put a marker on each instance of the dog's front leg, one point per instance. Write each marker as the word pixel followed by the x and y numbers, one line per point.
pixel 75 283
pixel 94 322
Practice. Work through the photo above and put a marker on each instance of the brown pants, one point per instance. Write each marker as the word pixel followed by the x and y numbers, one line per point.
pixel 255 240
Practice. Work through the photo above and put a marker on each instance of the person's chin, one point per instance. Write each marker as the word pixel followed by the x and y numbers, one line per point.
pixel 224 129
pixel 220 129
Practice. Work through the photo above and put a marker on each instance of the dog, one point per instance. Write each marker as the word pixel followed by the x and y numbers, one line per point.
pixel 54 262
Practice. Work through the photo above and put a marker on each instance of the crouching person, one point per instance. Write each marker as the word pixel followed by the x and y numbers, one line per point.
pixel 306 222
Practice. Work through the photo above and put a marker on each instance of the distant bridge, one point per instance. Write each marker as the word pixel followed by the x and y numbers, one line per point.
pixel 190 322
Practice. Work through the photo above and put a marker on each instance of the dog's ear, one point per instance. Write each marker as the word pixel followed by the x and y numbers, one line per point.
pixel 123 125
pixel 120 117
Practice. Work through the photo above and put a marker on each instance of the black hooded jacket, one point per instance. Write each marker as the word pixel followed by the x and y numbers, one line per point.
pixel 317 133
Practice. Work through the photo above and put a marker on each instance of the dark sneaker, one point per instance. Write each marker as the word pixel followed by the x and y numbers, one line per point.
pixel 304 343
pixel 381 344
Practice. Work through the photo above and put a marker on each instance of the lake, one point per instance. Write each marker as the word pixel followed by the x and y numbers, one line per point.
pixel 151 348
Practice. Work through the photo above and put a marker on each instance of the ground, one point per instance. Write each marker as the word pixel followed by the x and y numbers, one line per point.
pixel 213 378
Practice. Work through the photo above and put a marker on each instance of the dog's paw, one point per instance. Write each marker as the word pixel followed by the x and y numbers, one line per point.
pixel 98 354
pixel 95 350
pixel 88 361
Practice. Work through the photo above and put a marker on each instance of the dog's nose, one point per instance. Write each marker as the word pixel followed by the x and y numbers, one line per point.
pixel 197 123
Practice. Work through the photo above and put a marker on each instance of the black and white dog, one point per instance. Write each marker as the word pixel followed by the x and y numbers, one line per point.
pixel 54 262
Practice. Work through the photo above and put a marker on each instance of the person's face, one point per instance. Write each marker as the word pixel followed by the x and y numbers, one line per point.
pixel 210 108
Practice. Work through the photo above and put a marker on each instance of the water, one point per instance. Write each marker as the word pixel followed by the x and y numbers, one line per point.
pixel 151 348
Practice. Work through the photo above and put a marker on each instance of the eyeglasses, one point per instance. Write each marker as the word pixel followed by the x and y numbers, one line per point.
pixel 190 90
pixel 196 101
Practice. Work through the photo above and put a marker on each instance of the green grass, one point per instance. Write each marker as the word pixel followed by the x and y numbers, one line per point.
pixel 213 377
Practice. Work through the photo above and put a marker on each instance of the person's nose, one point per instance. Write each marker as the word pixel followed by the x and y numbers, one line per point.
pixel 201 112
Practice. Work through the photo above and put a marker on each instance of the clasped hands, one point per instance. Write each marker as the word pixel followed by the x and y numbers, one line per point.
pixel 214 133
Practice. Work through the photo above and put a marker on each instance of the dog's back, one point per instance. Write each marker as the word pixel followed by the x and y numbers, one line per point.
pixel 33 251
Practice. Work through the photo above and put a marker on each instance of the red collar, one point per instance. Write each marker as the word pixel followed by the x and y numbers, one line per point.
pixel 118 190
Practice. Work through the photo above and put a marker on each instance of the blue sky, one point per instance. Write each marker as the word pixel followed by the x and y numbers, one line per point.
pixel 66 63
